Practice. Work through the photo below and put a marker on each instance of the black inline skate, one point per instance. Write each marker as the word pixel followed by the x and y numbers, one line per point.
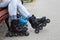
pixel 17 29
pixel 38 23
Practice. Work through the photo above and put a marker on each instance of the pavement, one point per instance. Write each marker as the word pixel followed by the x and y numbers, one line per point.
pixel 40 8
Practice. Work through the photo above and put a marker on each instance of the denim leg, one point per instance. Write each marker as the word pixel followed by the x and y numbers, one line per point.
pixel 12 8
pixel 23 10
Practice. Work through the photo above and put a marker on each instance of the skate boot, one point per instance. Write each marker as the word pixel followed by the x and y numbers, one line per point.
pixel 22 30
pixel 38 23
pixel 34 23
pixel 12 31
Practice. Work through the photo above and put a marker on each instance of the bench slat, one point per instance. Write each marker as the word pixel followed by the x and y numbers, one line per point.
pixel 3 14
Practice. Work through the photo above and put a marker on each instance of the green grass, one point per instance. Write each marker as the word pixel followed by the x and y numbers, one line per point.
pixel 27 0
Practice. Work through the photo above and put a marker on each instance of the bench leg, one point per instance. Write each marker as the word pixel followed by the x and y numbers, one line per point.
pixel 7 23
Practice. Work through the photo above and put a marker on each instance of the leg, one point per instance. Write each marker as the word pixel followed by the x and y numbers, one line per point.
pixel 12 8
pixel 23 10
pixel 25 13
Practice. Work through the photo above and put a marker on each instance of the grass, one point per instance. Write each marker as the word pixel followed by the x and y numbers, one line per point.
pixel 27 0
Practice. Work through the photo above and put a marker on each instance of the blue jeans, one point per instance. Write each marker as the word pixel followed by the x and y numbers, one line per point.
pixel 13 6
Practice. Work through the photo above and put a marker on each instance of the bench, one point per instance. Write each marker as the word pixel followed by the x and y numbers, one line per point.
pixel 4 16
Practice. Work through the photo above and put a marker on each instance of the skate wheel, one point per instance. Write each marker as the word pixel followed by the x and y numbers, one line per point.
pixel 21 34
pixel 41 28
pixel 9 35
pixel 36 31
pixel 16 35
pixel 48 20
pixel 27 34
pixel 44 24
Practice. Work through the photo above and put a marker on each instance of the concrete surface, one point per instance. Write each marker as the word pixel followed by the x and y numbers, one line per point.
pixel 40 8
